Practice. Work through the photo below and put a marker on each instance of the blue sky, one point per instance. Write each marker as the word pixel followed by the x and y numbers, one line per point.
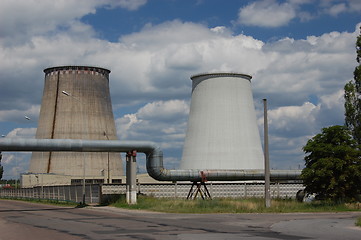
pixel 112 23
pixel 299 52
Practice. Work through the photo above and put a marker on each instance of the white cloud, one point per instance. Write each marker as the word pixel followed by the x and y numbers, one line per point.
pixel 266 13
pixel 275 13
pixel 296 118
pixel 355 5
pixel 128 4
pixel 38 17
pixel 14 164
pixel 290 127
pixel 337 9
pixel 160 121
pixel 301 68
pixel 164 111
pixel 11 115
pixel 308 118
pixel 22 133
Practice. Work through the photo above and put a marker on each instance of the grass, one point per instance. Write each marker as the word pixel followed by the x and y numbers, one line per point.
pixel 358 222
pixel 47 201
pixel 232 205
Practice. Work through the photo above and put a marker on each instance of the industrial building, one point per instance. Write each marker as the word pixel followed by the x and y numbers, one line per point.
pixel 76 104
pixel 222 141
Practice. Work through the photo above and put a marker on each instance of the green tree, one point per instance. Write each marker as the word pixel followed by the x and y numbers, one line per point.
pixel 333 166
pixel 353 98
pixel 1 167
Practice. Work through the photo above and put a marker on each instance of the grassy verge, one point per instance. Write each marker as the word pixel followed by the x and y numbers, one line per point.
pixel 47 201
pixel 231 205
pixel 358 222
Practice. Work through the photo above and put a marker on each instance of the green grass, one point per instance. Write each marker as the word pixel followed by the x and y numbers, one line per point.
pixel 47 201
pixel 231 205
pixel 358 222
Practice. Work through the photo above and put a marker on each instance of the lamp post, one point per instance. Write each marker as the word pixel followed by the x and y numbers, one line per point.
pixel 83 188
pixel 266 159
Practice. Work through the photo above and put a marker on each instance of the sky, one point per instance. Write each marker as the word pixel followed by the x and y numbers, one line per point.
pixel 300 54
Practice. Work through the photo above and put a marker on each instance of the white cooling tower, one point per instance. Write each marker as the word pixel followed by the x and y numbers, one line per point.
pixel 222 127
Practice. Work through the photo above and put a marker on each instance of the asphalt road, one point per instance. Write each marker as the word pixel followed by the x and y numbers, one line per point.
pixel 22 220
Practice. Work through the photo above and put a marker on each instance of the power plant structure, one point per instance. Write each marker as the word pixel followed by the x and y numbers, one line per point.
pixel 222 141
pixel 222 129
pixel 76 104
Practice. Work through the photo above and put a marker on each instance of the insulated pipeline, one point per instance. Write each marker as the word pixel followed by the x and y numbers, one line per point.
pixel 154 159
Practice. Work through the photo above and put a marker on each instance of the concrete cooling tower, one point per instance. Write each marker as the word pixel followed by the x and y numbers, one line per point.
pixel 222 127
pixel 76 105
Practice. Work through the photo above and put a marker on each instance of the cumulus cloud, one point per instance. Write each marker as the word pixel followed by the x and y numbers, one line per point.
pixel 336 7
pixel 275 13
pixel 38 17
pixel 14 164
pixel 290 127
pixel 22 133
pixel 266 13
pixel 47 17
pixel 10 115
pixel 128 4
pixel 293 119
pixel 301 68
pixel 160 121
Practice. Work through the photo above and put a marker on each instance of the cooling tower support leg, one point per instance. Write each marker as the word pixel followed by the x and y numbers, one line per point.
pixel 201 188
pixel 131 166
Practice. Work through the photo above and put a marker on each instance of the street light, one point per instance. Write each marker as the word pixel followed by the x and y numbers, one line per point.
pixel 69 95
pixel 65 92
pixel 266 157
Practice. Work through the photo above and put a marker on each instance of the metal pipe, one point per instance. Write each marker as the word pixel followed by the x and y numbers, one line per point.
pixel 154 158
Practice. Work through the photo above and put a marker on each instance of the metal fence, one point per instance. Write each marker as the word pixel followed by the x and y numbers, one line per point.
pixel 72 193
pixel 96 193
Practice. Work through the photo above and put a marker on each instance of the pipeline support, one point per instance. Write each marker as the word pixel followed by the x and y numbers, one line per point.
pixel 131 177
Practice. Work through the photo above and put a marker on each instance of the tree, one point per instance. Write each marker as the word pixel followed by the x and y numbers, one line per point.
pixel 333 166
pixel 353 98
pixel 1 167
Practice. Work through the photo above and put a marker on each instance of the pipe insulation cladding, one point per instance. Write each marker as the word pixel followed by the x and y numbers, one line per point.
pixel 222 129
pixel 154 159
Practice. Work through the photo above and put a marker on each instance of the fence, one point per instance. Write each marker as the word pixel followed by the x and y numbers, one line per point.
pixel 73 193
pixel 96 193
pixel 216 190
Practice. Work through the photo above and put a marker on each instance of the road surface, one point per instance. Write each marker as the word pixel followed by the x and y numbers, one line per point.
pixel 23 220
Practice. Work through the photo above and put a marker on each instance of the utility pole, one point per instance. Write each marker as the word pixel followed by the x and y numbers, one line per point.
pixel 267 189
